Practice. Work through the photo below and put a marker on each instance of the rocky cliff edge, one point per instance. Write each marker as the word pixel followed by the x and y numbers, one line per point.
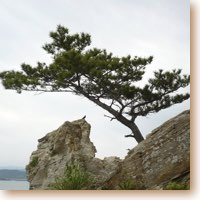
pixel 164 156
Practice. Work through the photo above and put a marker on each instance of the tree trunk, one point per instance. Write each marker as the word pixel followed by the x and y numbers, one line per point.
pixel 134 129
pixel 136 133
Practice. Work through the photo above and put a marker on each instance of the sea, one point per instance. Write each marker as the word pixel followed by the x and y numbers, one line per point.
pixel 14 185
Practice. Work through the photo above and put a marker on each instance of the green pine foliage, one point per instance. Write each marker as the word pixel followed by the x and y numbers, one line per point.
pixel 109 81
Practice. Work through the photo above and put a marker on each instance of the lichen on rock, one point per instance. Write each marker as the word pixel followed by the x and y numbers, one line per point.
pixel 69 143
pixel 163 157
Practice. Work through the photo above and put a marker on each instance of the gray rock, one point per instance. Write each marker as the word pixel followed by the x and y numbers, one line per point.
pixel 162 157
pixel 70 142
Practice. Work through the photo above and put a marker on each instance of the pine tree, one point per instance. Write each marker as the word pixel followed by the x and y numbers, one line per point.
pixel 108 81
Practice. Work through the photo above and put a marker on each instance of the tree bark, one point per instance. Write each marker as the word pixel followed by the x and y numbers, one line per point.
pixel 134 129
pixel 136 133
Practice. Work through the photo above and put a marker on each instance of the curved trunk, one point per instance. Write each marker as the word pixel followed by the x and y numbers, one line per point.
pixel 134 129
pixel 136 133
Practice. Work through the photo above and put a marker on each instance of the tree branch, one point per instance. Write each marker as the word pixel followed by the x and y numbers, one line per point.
pixel 130 135
pixel 111 118
pixel 44 90
pixel 156 99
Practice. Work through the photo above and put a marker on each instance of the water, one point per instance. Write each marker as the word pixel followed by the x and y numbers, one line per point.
pixel 14 185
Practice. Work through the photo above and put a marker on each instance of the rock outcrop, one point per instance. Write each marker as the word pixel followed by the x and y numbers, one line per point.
pixel 162 157
pixel 69 143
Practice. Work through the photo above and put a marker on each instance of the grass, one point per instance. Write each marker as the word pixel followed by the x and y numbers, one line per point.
pixel 177 186
pixel 127 185
pixel 34 162
pixel 74 178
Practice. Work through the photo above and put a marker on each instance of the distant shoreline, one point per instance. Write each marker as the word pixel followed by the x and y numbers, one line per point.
pixel 12 175
pixel 7 179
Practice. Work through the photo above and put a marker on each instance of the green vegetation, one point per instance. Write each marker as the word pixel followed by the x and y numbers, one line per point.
pixel 111 82
pixel 74 178
pixel 34 162
pixel 127 185
pixel 131 185
pixel 177 186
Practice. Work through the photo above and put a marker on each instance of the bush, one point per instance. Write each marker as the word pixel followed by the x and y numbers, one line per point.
pixel 177 186
pixel 74 178
pixel 127 185
pixel 34 162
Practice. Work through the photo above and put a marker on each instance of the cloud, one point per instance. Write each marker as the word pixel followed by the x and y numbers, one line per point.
pixel 136 27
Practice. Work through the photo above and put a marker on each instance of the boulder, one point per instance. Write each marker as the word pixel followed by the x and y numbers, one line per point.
pixel 69 143
pixel 162 157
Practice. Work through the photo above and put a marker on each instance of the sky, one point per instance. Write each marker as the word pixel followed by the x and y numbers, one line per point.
pixel 137 27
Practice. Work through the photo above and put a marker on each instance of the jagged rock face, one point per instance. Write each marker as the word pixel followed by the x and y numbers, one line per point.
pixel 163 156
pixel 68 143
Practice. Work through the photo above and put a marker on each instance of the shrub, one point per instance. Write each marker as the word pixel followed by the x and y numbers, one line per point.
pixel 127 185
pixel 177 186
pixel 74 178
pixel 34 162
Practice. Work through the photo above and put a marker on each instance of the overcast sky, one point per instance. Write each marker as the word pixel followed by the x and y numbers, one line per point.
pixel 137 27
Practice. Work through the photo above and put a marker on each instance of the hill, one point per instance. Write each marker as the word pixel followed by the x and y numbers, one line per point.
pixel 8 174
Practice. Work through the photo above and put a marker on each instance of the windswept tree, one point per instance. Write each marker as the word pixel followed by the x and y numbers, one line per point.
pixel 108 81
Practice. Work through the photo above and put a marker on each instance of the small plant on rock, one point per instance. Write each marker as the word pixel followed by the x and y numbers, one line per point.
pixel 74 178
pixel 131 185
pixel 34 162
pixel 127 185
pixel 177 186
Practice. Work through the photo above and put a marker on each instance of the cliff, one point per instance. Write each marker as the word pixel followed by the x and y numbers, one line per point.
pixel 162 157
